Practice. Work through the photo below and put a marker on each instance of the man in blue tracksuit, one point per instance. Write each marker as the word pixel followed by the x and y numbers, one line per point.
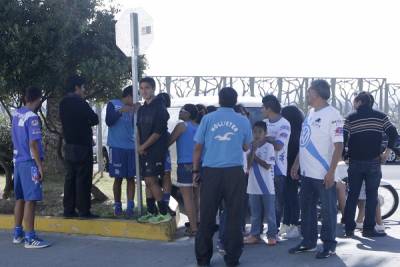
pixel 119 119
pixel 223 136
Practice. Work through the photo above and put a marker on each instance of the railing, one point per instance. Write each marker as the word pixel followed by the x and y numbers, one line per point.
pixel 290 90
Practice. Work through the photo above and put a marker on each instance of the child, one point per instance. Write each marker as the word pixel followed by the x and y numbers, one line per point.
pixel 119 119
pixel 260 188
pixel 183 135
pixel 28 169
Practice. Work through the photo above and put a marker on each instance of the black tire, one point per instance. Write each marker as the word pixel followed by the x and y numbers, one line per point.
pixel 106 160
pixel 393 157
pixel 395 199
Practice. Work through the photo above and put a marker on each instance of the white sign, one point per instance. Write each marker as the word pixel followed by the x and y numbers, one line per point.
pixel 123 31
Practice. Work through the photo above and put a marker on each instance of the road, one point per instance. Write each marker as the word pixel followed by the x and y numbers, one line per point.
pixel 68 251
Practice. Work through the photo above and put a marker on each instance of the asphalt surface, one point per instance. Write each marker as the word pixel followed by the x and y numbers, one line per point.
pixel 94 251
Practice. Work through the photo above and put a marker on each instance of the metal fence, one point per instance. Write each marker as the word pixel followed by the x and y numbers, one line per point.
pixel 290 90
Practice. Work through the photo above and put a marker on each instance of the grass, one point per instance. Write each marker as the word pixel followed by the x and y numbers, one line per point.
pixel 53 189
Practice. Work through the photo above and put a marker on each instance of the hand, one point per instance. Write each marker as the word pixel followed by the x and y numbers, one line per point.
pixel 127 109
pixel 385 155
pixel 196 179
pixel 40 169
pixel 329 179
pixel 294 172
pixel 141 151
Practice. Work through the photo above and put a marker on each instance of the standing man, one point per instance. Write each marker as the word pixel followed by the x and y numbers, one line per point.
pixel 278 135
pixel 321 146
pixel 77 119
pixel 119 119
pixel 223 136
pixel 363 131
pixel 153 139
pixel 28 168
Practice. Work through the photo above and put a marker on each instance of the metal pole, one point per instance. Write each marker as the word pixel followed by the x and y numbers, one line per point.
pixel 135 86
pixel 100 161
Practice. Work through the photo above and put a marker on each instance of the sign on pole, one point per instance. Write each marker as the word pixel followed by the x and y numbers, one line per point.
pixel 134 34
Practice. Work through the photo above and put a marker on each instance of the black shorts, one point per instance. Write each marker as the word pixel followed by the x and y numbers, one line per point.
pixel 152 167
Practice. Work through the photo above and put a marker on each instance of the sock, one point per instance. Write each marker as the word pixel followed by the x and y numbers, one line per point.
pixel 151 205
pixel 166 197
pixel 18 231
pixel 163 207
pixel 131 205
pixel 30 235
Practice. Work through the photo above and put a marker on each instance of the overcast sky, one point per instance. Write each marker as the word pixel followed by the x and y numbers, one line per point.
pixel 342 38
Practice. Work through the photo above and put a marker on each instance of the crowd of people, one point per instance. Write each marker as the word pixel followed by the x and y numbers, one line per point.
pixel 280 168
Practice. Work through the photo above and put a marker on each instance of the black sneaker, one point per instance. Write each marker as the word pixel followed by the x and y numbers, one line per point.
pixel 349 234
pixel 325 253
pixel 373 233
pixel 300 249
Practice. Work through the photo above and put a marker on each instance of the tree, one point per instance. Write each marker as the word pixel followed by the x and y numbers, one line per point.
pixel 42 42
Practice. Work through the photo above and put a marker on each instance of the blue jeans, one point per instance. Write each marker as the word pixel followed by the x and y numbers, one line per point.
pixel 359 171
pixel 311 191
pixel 257 203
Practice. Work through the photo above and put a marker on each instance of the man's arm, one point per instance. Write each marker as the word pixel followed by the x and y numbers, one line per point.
pixel 89 114
pixel 112 116
pixel 34 147
pixel 392 135
pixel 337 156
pixel 294 172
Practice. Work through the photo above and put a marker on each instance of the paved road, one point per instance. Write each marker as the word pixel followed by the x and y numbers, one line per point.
pixel 97 252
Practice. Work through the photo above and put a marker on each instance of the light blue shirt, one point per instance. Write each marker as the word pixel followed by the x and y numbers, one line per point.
pixel 223 134
pixel 121 132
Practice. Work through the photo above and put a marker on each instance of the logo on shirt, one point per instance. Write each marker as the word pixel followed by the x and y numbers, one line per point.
pixel 285 127
pixel 227 124
pixel 339 131
pixel 305 135
pixel 284 135
pixel 317 123
pixel 35 122
pixel 225 137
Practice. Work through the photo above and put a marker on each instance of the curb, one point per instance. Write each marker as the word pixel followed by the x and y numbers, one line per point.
pixel 99 227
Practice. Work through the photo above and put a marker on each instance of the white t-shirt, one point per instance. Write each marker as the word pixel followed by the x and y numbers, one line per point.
pixel 321 129
pixel 264 183
pixel 280 130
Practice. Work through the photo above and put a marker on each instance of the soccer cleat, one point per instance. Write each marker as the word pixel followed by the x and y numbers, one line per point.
pixel 36 242
pixel 145 218
pixel 160 218
pixel 301 249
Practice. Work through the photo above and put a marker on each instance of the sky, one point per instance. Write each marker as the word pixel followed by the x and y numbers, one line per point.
pixel 318 38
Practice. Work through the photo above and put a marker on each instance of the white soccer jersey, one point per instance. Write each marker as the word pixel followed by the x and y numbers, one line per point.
pixel 321 130
pixel 280 131
pixel 261 180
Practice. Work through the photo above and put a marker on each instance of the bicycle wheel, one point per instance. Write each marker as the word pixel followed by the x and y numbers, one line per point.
pixel 388 199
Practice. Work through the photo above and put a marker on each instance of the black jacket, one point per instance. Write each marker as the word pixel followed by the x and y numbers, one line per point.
pixel 77 119
pixel 153 118
pixel 363 132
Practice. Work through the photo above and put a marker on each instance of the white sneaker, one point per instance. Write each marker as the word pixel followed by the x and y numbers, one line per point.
pixel 359 225
pixel 293 232
pixel 284 229
pixel 380 228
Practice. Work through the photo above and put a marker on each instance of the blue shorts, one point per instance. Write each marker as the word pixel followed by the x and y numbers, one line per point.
pixel 26 184
pixel 122 163
pixel 184 173
pixel 167 164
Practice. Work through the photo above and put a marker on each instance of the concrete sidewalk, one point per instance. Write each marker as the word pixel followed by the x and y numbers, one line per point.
pixel 97 252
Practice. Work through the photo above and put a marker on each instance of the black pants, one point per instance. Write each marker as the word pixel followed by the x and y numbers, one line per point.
pixel 359 171
pixel 77 186
pixel 229 185
pixel 291 210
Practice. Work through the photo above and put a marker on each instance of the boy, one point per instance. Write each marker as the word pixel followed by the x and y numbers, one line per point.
pixel 119 119
pixel 28 171
pixel 260 188
pixel 153 139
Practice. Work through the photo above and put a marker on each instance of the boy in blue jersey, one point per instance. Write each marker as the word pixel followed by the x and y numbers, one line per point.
pixel 28 168
pixel 119 119
pixel 223 135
